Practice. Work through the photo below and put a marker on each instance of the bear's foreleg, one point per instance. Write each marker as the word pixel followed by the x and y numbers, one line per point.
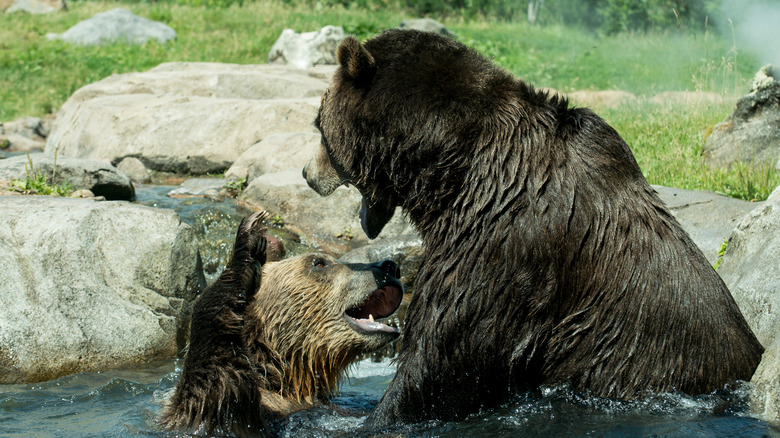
pixel 217 392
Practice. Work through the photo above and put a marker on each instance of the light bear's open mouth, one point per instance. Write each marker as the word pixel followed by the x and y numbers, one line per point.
pixel 381 303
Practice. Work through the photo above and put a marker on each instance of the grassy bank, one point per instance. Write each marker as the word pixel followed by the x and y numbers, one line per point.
pixel 37 75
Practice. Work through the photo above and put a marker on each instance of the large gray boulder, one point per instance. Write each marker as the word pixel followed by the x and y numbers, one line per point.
pixel 116 26
pixel 751 269
pixel 88 285
pixel 185 118
pixel 752 131
pixel 101 178
pixel 307 49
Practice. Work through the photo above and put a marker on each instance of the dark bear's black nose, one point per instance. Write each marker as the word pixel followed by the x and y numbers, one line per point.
pixel 389 267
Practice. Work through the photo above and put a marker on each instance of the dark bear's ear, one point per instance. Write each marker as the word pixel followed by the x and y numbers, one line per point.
pixel 357 65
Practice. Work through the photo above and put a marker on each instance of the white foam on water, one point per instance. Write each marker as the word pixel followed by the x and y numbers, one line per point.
pixel 368 368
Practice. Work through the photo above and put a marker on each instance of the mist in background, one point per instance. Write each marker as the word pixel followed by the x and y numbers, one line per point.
pixel 756 27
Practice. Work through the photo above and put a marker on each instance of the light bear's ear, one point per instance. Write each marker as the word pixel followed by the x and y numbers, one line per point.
pixel 357 65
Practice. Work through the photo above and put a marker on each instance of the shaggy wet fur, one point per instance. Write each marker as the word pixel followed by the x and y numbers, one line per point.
pixel 549 258
pixel 261 350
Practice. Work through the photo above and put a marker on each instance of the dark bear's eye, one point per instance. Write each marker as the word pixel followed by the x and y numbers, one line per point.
pixel 319 262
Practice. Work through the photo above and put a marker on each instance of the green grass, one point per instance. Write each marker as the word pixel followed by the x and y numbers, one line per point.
pixel 667 141
pixel 36 183
pixel 37 75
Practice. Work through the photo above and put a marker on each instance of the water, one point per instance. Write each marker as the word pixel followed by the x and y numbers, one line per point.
pixel 126 403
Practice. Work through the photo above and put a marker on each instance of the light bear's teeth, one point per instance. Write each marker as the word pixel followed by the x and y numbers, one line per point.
pixel 371 317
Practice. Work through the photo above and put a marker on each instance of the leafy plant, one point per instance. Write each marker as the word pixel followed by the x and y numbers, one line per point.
pixel 235 187
pixel 277 221
pixel 721 252
pixel 346 234
pixel 36 183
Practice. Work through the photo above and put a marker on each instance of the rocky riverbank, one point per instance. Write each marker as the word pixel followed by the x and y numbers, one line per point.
pixel 92 284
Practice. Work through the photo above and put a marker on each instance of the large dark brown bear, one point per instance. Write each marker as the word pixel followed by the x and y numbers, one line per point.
pixel 549 258
pixel 269 340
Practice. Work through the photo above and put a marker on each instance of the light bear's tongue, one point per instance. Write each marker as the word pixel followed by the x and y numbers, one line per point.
pixel 374 326
pixel 382 303
pixel 373 216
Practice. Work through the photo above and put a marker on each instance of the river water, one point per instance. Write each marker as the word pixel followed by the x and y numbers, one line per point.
pixel 126 403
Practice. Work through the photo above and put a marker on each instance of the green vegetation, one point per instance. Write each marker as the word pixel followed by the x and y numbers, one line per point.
pixel 36 183
pixel 235 187
pixel 277 221
pixel 721 253
pixel 37 75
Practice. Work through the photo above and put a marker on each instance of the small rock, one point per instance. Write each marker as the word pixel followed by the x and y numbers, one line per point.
pixel 135 169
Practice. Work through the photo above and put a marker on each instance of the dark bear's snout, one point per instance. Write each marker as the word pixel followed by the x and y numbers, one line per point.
pixel 388 267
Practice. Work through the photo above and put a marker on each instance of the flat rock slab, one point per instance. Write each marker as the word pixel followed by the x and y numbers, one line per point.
pixel 708 217
pixel 192 118
pixel 80 291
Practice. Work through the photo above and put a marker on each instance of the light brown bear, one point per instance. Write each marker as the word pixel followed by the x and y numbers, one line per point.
pixel 270 339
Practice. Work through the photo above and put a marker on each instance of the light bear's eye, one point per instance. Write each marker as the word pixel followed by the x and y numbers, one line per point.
pixel 319 262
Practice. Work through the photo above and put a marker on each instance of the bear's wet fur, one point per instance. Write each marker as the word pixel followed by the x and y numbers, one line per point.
pixel 267 340
pixel 549 258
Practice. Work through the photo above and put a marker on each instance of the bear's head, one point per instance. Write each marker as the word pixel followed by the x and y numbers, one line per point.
pixel 317 316
pixel 391 131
